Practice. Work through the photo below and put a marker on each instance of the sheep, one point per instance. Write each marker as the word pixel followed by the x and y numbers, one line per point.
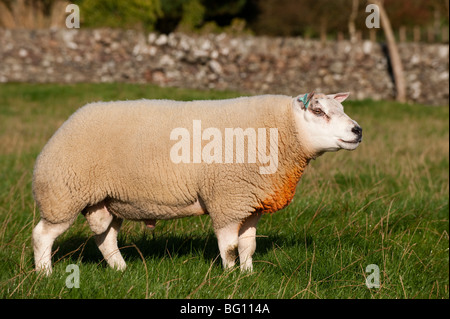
pixel 150 160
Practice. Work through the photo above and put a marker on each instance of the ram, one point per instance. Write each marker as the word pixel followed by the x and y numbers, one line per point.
pixel 149 160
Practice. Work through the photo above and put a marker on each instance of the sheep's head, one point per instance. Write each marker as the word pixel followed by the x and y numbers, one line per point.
pixel 322 123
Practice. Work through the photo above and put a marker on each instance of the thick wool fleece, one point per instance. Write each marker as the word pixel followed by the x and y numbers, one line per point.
pixel 119 153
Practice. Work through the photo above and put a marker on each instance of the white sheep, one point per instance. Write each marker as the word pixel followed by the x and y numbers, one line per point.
pixel 158 159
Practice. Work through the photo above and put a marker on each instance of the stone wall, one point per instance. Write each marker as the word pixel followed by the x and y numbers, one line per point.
pixel 248 64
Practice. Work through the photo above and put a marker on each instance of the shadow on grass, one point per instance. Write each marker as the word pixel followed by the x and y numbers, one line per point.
pixel 84 249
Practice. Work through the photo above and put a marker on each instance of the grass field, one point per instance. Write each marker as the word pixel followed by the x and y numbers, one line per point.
pixel 386 204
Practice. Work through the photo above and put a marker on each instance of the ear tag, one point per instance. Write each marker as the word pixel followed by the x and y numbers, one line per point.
pixel 305 100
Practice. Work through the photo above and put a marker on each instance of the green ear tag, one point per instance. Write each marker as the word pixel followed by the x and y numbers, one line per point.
pixel 305 100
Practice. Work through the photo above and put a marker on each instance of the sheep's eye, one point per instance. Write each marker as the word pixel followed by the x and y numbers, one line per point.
pixel 318 112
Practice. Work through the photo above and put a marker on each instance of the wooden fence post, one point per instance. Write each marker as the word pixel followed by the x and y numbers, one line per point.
pixel 373 35
pixel 416 34
pixel 430 35
pixel 444 35
pixel 402 34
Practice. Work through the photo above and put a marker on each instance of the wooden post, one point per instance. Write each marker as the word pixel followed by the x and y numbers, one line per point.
pixel 444 35
pixel 351 21
pixel 323 30
pixel 430 35
pixel 359 36
pixel 416 33
pixel 402 34
pixel 394 55
pixel 373 35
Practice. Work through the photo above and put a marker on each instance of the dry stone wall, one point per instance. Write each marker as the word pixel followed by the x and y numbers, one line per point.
pixel 248 64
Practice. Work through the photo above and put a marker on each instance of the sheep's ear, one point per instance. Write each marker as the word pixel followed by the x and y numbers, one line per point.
pixel 340 97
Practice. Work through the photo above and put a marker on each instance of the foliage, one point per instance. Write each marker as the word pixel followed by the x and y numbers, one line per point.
pixel 192 15
pixel 261 17
pixel 300 17
pixel 120 13
pixel 195 15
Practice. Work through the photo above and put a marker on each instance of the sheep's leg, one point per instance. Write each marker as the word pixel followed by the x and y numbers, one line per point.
pixel 107 243
pixel 106 227
pixel 227 238
pixel 247 241
pixel 44 234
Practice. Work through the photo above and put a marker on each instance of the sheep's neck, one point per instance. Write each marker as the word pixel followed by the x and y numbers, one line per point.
pixel 293 161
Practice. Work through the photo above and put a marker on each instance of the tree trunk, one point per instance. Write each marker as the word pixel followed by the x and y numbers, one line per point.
pixel 396 62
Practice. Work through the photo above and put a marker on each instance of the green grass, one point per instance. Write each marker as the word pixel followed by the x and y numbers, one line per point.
pixel 386 203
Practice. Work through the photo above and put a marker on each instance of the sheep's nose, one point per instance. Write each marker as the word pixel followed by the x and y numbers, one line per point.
pixel 357 130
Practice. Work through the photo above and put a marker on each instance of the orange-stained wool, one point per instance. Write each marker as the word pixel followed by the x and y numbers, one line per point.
pixel 282 195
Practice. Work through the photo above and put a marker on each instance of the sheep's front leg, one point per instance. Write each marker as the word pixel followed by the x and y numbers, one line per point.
pixel 228 238
pixel 247 241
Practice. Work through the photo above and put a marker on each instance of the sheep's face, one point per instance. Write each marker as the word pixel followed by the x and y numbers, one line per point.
pixel 323 124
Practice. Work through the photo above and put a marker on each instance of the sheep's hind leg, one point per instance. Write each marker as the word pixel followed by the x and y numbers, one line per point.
pixel 44 234
pixel 107 243
pixel 106 227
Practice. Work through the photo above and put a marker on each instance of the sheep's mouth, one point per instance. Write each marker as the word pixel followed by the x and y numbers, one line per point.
pixel 349 145
pixel 351 142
